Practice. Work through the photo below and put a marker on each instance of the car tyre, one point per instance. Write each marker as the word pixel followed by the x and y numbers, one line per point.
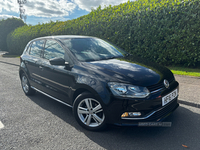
pixel 89 112
pixel 26 85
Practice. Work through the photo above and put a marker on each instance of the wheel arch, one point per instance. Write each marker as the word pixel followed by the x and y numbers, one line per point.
pixel 83 89
pixel 78 92
pixel 103 96
pixel 20 73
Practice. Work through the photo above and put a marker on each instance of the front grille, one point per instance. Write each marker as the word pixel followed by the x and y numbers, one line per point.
pixel 159 85
pixel 161 113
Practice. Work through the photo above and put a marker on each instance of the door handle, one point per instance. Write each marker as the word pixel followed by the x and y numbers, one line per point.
pixel 35 60
pixel 40 67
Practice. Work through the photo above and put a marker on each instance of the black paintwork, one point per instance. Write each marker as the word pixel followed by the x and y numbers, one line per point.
pixel 65 82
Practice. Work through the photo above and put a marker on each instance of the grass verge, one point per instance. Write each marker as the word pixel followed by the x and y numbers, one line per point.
pixel 185 71
pixel 10 56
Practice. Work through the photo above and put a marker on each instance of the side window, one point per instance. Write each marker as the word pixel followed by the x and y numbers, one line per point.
pixel 36 48
pixel 28 49
pixel 53 49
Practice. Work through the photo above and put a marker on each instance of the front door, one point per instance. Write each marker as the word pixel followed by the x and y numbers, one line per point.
pixel 56 78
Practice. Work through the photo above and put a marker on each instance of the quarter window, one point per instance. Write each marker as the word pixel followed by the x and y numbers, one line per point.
pixel 36 48
pixel 53 49
pixel 28 49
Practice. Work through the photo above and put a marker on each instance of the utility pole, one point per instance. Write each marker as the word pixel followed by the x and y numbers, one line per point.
pixel 21 9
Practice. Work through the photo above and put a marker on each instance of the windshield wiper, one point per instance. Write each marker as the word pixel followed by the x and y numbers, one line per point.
pixel 113 57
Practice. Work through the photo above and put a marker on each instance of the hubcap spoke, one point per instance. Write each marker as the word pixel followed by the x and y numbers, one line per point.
pixel 25 80
pixel 100 110
pixel 87 103
pixel 26 87
pixel 97 109
pixel 82 110
pixel 85 119
pixel 90 101
pixel 97 118
pixel 88 120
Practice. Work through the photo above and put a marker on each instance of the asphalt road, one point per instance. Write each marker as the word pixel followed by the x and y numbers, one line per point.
pixel 38 122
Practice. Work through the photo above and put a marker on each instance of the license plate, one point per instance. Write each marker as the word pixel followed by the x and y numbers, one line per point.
pixel 169 97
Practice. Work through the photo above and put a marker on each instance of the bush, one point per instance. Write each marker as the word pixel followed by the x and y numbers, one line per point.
pixel 167 32
pixel 6 26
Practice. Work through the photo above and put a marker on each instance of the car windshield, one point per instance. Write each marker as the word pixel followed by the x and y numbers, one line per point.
pixel 93 49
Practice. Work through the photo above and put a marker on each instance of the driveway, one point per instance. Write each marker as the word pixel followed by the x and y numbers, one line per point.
pixel 38 122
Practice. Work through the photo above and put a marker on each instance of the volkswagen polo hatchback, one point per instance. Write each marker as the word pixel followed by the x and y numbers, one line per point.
pixel 100 81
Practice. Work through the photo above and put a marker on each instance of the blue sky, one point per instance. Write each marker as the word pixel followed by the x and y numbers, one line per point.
pixel 38 11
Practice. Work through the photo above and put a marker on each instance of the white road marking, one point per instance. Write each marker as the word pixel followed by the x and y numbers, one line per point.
pixel 1 125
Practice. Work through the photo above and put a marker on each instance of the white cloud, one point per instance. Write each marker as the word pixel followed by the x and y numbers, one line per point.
pixel 52 9
pixel 49 8
pixel 38 8
pixel 9 5
pixel 6 16
pixel 88 4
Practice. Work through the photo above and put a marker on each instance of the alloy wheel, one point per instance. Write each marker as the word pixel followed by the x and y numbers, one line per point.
pixel 25 85
pixel 90 112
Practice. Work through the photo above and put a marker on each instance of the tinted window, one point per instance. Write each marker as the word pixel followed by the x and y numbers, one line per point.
pixel 36 48
pixel 92 49
pixel 53 49
pixel 28 47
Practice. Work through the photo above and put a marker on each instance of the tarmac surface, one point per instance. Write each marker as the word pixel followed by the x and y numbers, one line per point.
pixel 40 123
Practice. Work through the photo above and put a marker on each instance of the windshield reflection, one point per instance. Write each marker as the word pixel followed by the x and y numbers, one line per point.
pixel 93 49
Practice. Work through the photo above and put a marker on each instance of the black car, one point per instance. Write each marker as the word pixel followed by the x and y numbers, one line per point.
pixel 100 81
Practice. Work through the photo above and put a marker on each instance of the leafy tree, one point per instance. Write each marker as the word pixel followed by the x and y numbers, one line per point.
pixel 6 26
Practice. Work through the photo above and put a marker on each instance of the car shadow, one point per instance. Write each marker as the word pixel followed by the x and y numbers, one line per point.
pixel 184 129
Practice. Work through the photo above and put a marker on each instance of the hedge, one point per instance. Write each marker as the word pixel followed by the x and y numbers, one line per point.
pixel 164 31
pixel 6 26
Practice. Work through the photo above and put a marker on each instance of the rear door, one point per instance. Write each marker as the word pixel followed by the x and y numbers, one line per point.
pixel 33 62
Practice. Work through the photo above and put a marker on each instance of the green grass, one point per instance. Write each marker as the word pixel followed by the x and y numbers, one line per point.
pixel 185 71
pixel 10 56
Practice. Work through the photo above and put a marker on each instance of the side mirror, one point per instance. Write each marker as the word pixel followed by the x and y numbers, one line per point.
pixel 58 61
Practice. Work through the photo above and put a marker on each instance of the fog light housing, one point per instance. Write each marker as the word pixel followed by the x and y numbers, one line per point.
pixel 134 114
pixel 131 114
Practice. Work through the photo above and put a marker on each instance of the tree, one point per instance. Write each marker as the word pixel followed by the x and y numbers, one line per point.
pixel 6 26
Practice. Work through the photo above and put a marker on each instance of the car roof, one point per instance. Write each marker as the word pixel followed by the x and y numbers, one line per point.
pixel 63 37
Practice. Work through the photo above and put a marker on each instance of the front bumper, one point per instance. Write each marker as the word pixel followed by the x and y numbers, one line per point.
pixel 154 116
pixel 151 108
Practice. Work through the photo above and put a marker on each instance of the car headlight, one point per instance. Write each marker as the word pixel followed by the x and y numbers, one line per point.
pixel 127 90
